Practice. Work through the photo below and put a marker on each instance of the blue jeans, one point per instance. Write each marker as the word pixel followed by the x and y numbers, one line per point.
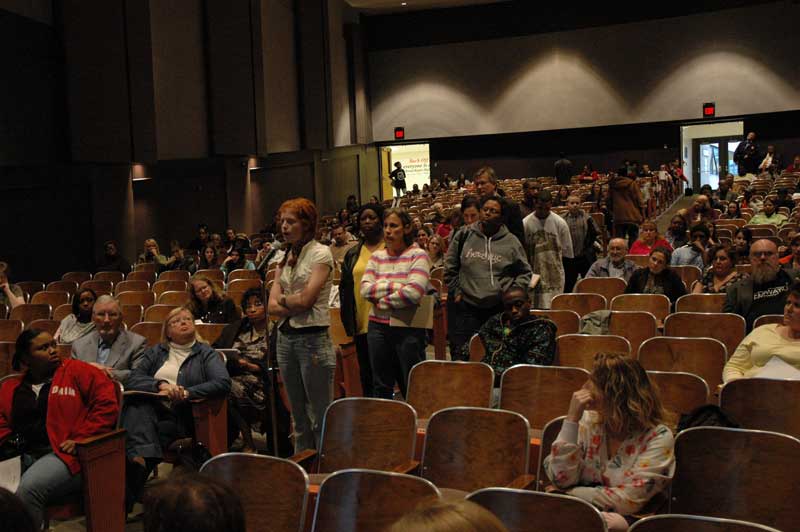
pixel 393 351
pixel 307 363
pixel 48 480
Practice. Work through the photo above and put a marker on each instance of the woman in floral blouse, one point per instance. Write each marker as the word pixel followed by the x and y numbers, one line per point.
pixel 613 450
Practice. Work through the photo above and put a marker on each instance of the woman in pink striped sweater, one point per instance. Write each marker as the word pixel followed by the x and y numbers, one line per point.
pixel 396 278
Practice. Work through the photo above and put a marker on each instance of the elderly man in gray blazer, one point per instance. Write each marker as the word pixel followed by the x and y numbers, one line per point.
pixel 110 347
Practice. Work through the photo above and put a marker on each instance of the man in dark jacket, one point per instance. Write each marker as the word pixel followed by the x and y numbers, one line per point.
pixel 746 155
pixel 563 169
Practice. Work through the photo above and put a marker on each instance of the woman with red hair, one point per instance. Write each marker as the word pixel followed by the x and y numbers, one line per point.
pixel 299 298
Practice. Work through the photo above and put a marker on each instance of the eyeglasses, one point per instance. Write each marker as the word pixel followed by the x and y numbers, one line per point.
pixel 762 254
pixel 182 319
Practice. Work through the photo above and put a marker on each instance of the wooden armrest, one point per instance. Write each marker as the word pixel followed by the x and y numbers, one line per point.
pixel 305 459
pixel 523 482
pixel 211 423
pixel 101 438
pixel 408 468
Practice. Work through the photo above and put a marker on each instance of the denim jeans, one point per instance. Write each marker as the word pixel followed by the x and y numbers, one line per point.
pixel 393 351
pixel 44 482
pixel 307 363
pixel 464 320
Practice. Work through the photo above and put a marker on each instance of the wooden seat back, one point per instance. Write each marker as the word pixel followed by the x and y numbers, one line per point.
pixel 704 357
pixel 578 350
pixel 608 287
pixel 49 326
pixel 132 314
pixel 437 384
pixel 174 275
pixel 640 261
pixel 358 500
pixel 700 303
pixel 540 393
pixel 145 299
pixel 519 509
pixel 100 286
pixel 149 277
pixel 688 274
pixel 76 277
pixel 737 474
pixel 112 277
pixel 54 299
pixel 680 393
pixel 158 313
pixel 145 267
pixel 3 311
pixel 131 286
pixel 273 491
pixel 767 319
pixel 159 287
pixel 763 404
pixel 634 325
pixel 367 433
pixel 70 287
pixel 243 285
pixel 151 330
pixel 30 287
pixel 210 332
pixel 549 435
pixel 473 448
pixel 727 328
pixel 695 523
pixel 243 274
pixel 215 274
pixel 10 329
pixel 581 303
pixel 656 304
pixel 566 321
pixel 174 297
pixel 27 312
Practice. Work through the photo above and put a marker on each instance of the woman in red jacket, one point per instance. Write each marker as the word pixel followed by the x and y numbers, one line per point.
pixel 44 411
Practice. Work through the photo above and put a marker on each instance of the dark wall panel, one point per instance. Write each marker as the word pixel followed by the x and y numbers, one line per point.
pixel 285 177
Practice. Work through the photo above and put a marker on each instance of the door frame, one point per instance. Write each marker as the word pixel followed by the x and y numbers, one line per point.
pixel 723 155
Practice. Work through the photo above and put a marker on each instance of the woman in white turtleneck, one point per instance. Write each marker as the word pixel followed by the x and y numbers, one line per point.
pixel 182 367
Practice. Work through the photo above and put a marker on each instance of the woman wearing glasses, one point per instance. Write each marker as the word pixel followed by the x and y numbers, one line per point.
pixel 483 261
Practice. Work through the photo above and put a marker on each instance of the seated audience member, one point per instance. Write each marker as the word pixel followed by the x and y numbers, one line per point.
pixel 422 235
pixel 109 346
pixel 11 295
pixel 792 260
pixel 44 411
pixel 794 168
pixel 515 337
pixel 436 250
pixel 16 517
pixel 451 221
pixel 230 237
pixel 594 193
pixel 79 323
pixel 208 304
pixel 560 199
pixel 548 242
pixel 476 280
pixel 657 278
pixel 178 260
pixel 270 253
pixel 352 203
pixel 700 211
pixel 236 261
pixel 742 241
pixel 764 291
pixel 441 516
pixel 249 378
pixel 769 215
pixel 181 368
pixel 784 200
pixel 112 261
pixel 732 212
pixel 649 239
pixel 193 502
pixel 216 241
pixel 721 272
pixel 614 450
pixel 201 240
pixel 724 192
pixel 342 242
pixel 677 232
pixel 209 259
pixel 749 202
pixel 693 253
pixel 614 264
pixel 767 341
pixel 151 254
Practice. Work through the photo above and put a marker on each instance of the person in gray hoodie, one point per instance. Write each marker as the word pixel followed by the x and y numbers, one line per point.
pixel 483 261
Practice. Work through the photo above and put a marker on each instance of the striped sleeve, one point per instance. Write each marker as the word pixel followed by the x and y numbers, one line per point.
pixel 406 289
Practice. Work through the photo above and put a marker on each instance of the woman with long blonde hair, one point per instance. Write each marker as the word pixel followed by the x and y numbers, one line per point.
pixel 152 254
pixel 614 449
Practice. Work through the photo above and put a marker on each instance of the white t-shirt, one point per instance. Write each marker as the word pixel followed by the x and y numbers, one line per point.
pixel 294 280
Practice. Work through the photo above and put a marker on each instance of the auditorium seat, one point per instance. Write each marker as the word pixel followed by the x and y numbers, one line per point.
pixel 49 326
pixel 62 311
pixel 437 384
pixel 578 350
pixel 145 267
pixel 149 277
pixel 69 287
pixel 581 303
pixel 27 312
pixel 768 318
pixel 145 299
pixel 273 491
pixel 76 277
pixel 521 510
pixel 243 274
pixel 727 328
pixel 54 299
pixel 737 474
pixel 158 313
pixel 468 448
pixel 704 357
pixel 3 311
pixel 244 284
pixel 689 274
pixel 6 355
pixel 641 261
pixel 680 393
pixel 358 500
pixel 700 303
pixel 763 404
pixel 656 304
pixel 210 332
pixel 174 297
pixel 549 435
pixel 30 287
pixel 132 314
pixel 100 286
pixel 236 297
pixel 540 393
pixel 566 321
pixel 159 287
pixel 151 330
pixel 695 523
pixel 635 326
pixel 608 287
pixel 10 329
pixel 174 275
pixel 113 277
pixel 216 273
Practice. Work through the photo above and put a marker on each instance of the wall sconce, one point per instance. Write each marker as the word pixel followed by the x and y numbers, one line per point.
pixel 138 172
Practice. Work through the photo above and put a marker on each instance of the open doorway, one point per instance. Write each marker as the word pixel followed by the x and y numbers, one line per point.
pixel 415 159
pixel 707 151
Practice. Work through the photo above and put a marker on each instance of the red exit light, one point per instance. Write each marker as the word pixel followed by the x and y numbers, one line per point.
pixel 709 110
pixel 399 133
